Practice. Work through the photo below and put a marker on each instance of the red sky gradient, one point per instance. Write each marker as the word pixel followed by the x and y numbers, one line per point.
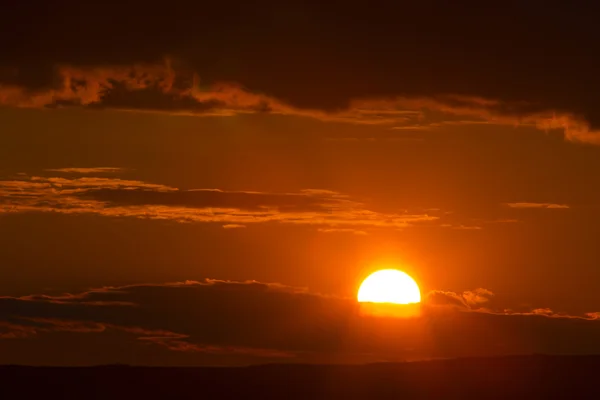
pixel 210 185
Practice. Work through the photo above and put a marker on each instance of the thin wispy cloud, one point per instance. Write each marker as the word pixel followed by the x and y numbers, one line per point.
pixel 113 197
pixel 94 170
pixel 538 205
pixel 462 227
pixel 342 230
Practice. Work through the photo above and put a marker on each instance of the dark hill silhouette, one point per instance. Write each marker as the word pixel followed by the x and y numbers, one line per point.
pixel 527 377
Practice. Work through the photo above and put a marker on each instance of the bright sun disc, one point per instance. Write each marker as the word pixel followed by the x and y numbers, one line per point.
pixel 389 286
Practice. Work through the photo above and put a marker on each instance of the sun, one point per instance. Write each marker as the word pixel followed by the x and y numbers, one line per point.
pixel 389 286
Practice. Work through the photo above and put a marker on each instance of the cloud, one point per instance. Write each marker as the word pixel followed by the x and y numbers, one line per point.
pixel 172 341
pixel 266 321
pixel 462 227
pixel 593 315
pixel 96 170
pixel 538 205
pixel 31 316
pixel 114 197
pixel 477 297
pixel 468 300
pixel 342 230
pixel 162 88
pixel 233 226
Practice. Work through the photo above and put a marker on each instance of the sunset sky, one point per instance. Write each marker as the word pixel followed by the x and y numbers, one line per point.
pixel 209 184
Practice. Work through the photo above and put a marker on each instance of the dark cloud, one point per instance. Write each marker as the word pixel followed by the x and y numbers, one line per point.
pixel 328 211
pixel 272 321
pixel 442 298
pixel 116 197
pixel 294 202
pixel 516 63
pixel 152 87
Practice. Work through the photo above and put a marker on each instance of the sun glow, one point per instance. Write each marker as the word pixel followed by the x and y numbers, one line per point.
pixel 389 286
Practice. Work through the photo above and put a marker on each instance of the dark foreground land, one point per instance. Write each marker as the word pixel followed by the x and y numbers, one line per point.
pixel 532 377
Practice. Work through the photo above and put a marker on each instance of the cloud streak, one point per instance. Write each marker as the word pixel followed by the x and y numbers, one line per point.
pixel 94 170
pixel 551 206
pixel 471 300
pixel 161 88
pixel 113 197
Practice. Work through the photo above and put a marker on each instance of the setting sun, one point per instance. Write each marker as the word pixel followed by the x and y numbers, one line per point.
pixel 389 286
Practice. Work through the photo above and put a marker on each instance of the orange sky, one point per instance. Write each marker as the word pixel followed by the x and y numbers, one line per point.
pixel 302 168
